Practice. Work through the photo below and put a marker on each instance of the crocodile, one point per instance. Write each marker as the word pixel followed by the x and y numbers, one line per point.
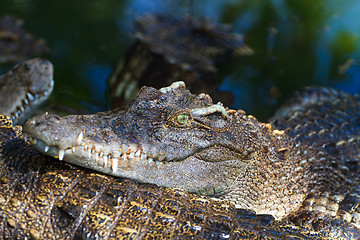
pixel 328 118
pixel 42 198
pixel 45 199
pixel 169 48
pixel 24 87
pixel 175 139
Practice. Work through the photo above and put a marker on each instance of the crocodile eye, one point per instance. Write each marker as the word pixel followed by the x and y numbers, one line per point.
pixel 182 119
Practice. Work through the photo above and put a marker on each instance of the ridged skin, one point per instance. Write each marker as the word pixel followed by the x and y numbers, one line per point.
pixel 24 88
pixel 325 118
pixel 41 198
pixel 329 120
pixel 218 152
pixel 169 49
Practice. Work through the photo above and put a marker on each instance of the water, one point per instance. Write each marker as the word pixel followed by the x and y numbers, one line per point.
pixel 295 43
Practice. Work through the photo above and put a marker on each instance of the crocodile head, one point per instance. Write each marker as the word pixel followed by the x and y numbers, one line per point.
pixel 172 138
pixel 33 81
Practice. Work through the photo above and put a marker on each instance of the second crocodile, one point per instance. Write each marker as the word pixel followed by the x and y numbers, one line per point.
pixel 24 87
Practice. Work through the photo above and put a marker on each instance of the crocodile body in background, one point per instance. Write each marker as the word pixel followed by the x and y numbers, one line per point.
pixel 175 139
pixel 168 49
pixel 24 88
pixel 15 43
pixel 42 198
pixel 328 120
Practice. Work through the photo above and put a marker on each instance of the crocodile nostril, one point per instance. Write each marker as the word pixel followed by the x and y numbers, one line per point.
pixel 37 123
pixel 52 118
pixel 27 66
pixel 46 65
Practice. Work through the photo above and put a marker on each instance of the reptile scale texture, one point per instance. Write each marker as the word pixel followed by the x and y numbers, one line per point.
pixel 42 198
pixel 45 199
pixel 24 88
pixel 175 139
pixel 293 178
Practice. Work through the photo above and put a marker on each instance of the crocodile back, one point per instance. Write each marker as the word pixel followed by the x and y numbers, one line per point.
pixel 328 120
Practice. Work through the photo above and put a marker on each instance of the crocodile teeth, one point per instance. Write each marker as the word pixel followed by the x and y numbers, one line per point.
pixel 105 158
pixel 113 161
pixel 137 153
pixel 61 154
pixel 30 97
pixel 79 138
pixel 114 165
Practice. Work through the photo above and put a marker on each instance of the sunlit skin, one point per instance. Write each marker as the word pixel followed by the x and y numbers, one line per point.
pixel 175 139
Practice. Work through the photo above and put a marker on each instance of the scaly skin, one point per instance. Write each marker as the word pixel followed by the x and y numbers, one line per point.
pixel 328 119
pixel 175 139
pixel 24 88
pixel 169 48
pixel 41 198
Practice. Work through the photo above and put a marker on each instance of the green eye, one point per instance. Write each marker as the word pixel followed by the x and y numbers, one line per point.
pixel 182 119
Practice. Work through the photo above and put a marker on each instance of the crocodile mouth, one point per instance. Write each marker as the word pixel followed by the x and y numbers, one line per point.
pixel 91 156
pixel 191 172
pixel 30 100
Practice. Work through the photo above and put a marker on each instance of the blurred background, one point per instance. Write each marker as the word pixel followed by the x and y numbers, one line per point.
pixel 295 43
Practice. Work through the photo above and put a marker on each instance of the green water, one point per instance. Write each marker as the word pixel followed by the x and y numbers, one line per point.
pixel 295 43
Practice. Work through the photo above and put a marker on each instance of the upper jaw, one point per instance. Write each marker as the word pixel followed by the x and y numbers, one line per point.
pixel 70 132
pixel 25 106
pixel 70 139
pixel 90 139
